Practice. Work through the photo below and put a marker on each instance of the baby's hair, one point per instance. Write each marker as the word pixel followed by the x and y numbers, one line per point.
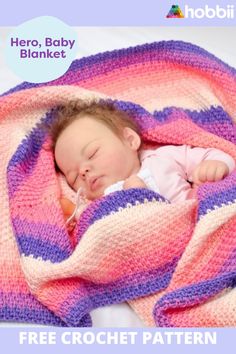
pixel 103 111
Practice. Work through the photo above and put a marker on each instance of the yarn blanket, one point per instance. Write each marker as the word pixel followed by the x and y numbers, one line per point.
pixel 175 263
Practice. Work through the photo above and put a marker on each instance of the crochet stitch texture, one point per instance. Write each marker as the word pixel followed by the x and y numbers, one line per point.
pixel 174 263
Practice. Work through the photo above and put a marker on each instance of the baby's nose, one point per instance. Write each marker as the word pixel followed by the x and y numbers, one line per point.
pixel 84 172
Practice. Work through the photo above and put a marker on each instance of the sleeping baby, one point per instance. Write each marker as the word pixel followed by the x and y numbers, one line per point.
pixel 99 150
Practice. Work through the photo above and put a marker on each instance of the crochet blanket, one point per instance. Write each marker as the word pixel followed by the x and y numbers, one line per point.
pixel 174 263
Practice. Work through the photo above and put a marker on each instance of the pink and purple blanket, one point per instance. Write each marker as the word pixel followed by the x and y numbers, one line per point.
pixel 174 263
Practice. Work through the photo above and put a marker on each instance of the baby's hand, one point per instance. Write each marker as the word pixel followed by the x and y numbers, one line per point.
pixel 209 171
pixel 134 182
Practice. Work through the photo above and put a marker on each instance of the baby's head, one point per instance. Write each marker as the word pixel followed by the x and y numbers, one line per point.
pixel 95 145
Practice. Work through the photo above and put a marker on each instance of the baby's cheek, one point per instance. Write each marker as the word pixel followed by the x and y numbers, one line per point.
pixel 116 163
pixel 112 165
pixel 107 161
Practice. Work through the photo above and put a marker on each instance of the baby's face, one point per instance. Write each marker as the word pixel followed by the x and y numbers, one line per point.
pixel 91 156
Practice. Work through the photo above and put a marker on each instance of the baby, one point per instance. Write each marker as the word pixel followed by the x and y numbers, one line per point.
pixel 95 146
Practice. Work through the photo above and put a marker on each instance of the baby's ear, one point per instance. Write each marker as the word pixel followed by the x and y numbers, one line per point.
pixel 131 138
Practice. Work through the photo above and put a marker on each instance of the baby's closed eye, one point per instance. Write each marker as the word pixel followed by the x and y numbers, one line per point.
pixel 92 153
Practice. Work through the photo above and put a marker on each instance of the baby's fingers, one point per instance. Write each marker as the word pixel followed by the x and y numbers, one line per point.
pixel 199 175
pixel 221 172
pixel 212 172
pixel 209 171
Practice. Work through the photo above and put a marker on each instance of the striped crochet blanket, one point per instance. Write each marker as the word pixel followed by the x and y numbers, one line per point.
pixel 174 263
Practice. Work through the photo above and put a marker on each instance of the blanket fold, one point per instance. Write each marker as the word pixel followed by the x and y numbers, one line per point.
pixel 174 263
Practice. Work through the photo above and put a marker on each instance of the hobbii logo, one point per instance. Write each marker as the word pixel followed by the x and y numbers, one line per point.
pixel 206 11
pixel 209 12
